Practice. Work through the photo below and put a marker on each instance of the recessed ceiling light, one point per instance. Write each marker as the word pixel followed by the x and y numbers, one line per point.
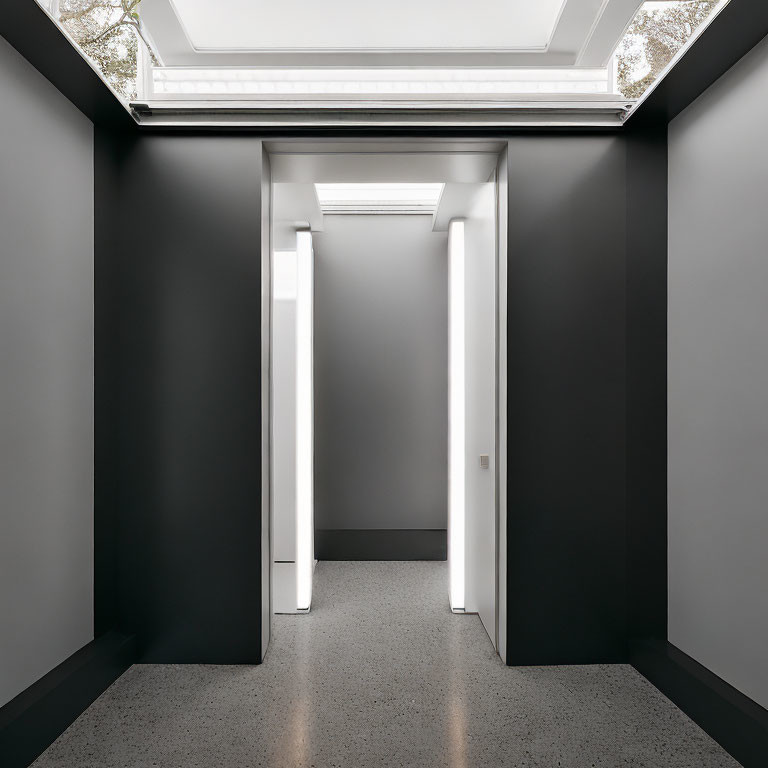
pixel 379 198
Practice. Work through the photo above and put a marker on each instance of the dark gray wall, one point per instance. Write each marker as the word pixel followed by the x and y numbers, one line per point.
pixel 718 378
pixel 566 399
pixel 178 396
pixel 177 389
pixel 381 373
pixel 646 396
pixel 46 382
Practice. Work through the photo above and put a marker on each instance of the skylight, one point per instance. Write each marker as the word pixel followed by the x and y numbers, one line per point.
pixel 344 25
pixel 658 33
pixel 379 198
pixel 501 63
pixel 110 34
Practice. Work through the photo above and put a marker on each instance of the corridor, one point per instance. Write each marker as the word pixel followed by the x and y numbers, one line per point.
pixel 380 673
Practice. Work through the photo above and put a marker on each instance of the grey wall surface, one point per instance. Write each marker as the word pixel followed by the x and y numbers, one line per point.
pixel 718 378
pixel 46 386
pixel 381 373
pixel 179 394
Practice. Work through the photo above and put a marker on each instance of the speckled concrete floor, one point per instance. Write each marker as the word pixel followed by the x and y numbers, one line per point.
pixel 382 674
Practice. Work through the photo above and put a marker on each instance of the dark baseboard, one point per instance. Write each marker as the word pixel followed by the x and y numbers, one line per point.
pixel 732 719
pixel 33 720
pixel 381 544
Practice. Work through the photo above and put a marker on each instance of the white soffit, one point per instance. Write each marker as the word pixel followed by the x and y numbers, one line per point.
pixel 351 25
pixel 297 204
pixel 312 167
pixel 457 202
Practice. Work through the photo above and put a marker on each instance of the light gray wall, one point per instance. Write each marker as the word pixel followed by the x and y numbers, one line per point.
pixel 46 382
pixel 718 378
pixel 381 373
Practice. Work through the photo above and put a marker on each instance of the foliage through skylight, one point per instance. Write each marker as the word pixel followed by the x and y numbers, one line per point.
pixel 656 34
pixel 109 32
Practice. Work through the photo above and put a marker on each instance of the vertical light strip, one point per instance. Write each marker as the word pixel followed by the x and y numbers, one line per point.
pixel 456 422
pixel 304 436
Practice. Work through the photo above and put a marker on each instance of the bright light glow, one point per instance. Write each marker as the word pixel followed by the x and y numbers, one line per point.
pixel 457 415
pixel 304 436
pixel 379 198
pixel 344 25
pixel 410 83
pixel 284 276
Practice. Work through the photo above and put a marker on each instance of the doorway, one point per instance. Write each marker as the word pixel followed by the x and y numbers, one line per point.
pixel 387 285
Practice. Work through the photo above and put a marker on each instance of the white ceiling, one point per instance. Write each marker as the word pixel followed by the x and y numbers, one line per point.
pixel 464 168
pixel 347 33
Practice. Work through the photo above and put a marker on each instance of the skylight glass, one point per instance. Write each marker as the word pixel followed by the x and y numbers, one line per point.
pixel 379 198
pixel 658 32
pixel 109 33
pixel 344 25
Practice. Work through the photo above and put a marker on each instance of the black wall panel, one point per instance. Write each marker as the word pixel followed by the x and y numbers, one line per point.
pixel 179 393
pixel 110 154
pixel 647 383
pixel 178 377
pixel 566 399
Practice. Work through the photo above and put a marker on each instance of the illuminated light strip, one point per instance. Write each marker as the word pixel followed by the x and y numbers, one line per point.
pixel 457 416
pixel 353 198
pixel 172 82
pixel 304 430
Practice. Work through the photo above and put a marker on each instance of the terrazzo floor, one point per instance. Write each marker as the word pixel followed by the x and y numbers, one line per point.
pixel 380 673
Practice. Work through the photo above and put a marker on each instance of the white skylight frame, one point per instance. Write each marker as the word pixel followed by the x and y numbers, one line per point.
pixel 379 198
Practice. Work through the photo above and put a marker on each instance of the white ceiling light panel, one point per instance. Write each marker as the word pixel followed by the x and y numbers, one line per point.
pixel 379 198
pixel 188 82
pixel 348 25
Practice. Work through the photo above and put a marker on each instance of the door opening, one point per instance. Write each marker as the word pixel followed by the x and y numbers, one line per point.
pixel 385 298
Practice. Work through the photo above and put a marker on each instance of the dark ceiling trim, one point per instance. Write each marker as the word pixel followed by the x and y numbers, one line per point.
pixel 738 28
pixel 27 27
pixel 467 117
